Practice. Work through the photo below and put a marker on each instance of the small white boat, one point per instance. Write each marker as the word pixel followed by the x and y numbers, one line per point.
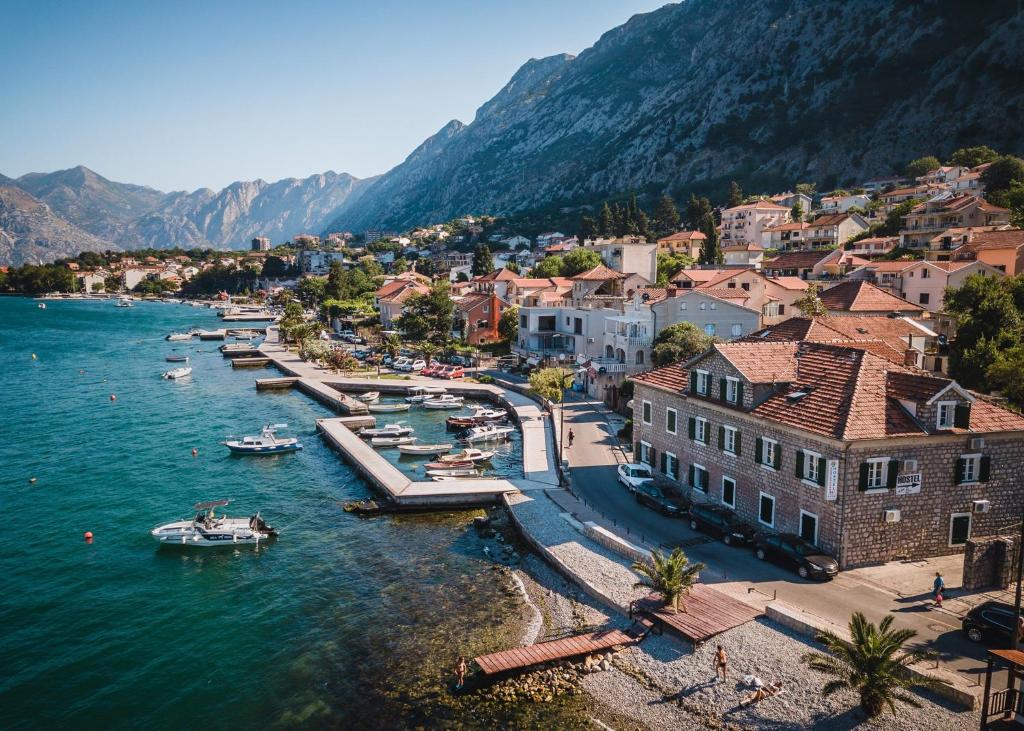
pixel 177 359
pixel 368 397
pixel 430 449
pixel 486 433
pixel 388 408
pixel 484 415
pixel 124 301
pixel 266 443
pixel 208 529
pixel 175 373
pixel 175 337
pixel 42 305
pixel 445 401
pixel 454 472
pixel 419 394
pixel 391 441
pixel 470 454
pixel 388 430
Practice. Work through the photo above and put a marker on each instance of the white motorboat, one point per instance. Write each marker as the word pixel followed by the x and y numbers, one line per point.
pixel 266 443
pixel 42 305
pixel 180 336
pixel 430 449
pixel 419 394
pixel 470 454
pixel 368 397
pixel 176 373
pixel 388 408
pixel 484 415
pixel 208 529
pixel 454 472
pixel 391 441
pixel 388 430
pixel 449 478
pixel 486 433
pixel 124 301
pixel 445 401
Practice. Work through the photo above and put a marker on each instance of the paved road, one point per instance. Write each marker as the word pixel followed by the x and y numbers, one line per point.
pixel 593 456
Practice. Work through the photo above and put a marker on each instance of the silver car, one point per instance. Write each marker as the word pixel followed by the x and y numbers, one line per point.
pixel 635 475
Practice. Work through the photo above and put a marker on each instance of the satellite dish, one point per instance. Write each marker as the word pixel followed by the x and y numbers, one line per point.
pixel 647 296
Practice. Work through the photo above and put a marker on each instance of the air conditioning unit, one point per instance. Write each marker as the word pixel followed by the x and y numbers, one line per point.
pixel 981 506
pixel 590 340
pixel 892 516
pixel 978 443
pixel 908 466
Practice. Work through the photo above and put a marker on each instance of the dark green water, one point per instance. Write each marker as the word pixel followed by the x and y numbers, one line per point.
pixel 342 623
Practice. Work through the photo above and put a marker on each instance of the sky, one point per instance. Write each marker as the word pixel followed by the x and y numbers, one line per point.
pixel 183 94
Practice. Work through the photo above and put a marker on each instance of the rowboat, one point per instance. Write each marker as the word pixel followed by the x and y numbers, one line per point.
pixel 454 423
pixel 467 455
pixel 388 430
pixel 388 408
pixel 175 373
pixel 424 448
pixel 446 465
pixel 177 359
pixel 454 472
pixel 391 441
pixel 369 396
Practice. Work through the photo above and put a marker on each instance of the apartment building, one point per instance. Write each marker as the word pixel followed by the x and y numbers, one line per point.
pixel 682 242
pixel 923 282
pixel 1003 249
pixel 746 223
pixel 927 219
pixel 832 229
pixel 869 460
pixel 860 297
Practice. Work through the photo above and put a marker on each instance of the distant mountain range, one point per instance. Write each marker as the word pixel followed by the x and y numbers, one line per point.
pixel 685 98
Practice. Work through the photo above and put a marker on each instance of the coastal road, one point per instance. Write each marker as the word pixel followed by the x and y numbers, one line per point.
pixel 593 457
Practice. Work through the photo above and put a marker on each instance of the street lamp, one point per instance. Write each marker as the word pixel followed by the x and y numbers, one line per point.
pixel 561 407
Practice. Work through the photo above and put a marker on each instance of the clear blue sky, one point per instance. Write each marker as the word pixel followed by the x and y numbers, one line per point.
pixel 181 94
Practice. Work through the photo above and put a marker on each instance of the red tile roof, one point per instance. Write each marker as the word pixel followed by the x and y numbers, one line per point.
pixel 860 296
pixel 600 273
pixel 1005 239
pixel 684 236
pixel 797 259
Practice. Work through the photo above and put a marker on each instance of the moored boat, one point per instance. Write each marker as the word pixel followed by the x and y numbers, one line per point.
pixel 391 441
pixel 454 472
pixel 430 449
pixel 208 529
pixel 470 454
pixel 446 465
pixel 124 301
pixel 266 443
pixel 445 401
pixel 175 337
pixel 388 430
pixel 368 397
pixel 176 373
pixel 486 433
pixel 388 408
pixel 418 394
pixel 177 359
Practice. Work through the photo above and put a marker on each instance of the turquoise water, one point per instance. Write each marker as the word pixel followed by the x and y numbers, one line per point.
pixel 342 622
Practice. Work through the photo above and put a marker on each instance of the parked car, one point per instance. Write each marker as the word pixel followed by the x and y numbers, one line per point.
pixel 792 550
pixel 346 334
pixel 634 475
pixel 439 371
pixel 651 495
pixel 360 354
pixel 989 621
pixel 417 365
pixel 453 372
pixel 386 360
pixel 722 522
pixel 431 369
pixel 400 364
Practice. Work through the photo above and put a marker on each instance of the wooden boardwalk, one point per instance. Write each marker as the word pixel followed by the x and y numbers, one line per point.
pixel 524 657
pixel 708 612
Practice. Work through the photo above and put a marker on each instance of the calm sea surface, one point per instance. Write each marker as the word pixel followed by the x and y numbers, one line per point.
pixel 341 623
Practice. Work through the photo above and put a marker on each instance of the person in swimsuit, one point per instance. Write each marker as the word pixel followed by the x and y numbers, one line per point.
pixel 460 671
pixel 721 663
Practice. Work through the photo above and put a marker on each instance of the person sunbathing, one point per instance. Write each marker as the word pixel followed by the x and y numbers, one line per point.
pixel 764 691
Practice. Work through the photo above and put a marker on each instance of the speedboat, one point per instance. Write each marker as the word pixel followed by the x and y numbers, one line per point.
pixel 470 454
pixel 419 394
pixel 368 397
pixel 388 408
pixel 177 359
pixel 430 449
pixel 175 337
pixel 124 301
pixel 454 472
pixel 388 430
pixel 445 401
pixel 266 443
pixel 391 441
pixel 209 529
pixel 486 416
pixel 486 433
pixel 175 373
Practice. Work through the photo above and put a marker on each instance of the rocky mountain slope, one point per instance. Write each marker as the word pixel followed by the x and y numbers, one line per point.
pixel 769 92
pixel 30 232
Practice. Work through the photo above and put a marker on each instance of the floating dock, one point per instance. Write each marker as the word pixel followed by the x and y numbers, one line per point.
pixel 250 362
pixel 213 334
pixel 567 648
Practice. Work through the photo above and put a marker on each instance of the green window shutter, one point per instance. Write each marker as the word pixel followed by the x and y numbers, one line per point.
pixel 636 450
pixel 864 467
pixel 721 388
pixel 962 416
pixel 721 437
pixel 737 444
pixel 800 463
pixel 690 476
pixel 778 456
pixel 821 471
pixel 693 381
pixel 654 457
pixel 759 451
pixel 664 463
pixel 984 468
pixel 892 473
pixel 739 394
pixel 692 426
pixel 958 473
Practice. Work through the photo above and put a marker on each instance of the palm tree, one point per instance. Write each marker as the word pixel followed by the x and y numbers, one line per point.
pixel 391 344
pixel 671 576
pixel 428 350
pixel 873 664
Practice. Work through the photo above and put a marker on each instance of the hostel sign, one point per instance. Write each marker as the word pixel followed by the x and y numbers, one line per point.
pixel 908 484
pixel 832 479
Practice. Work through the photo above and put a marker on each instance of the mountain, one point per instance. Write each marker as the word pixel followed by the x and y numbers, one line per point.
pixel 30 232
pixel 690 96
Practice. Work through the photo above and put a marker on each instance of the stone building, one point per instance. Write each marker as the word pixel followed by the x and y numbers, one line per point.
pixel 870 460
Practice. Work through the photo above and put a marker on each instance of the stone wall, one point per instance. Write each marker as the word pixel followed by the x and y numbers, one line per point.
pixel 988 562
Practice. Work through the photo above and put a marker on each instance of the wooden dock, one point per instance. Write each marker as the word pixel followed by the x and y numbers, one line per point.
pixel 524 657
pixel 708 612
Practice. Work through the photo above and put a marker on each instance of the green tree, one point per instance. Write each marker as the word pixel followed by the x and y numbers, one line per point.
pixel 461 277
pixel 508 324
pixel 399 266
pixel 1012 198
pixel 921 166
pixel 735 194
pixel 112 283
pixel 588 229
pixel 697 210
pixel 679 342
pixel 797 212
pixel 274 267
pixel 579 260
pixel 1002 173
pixel 550 383
pixel 873 664
pixel 483 262
pixel 1006 373
pixel 513 267
pixel 670 576
pixel 429 316
pixel 390 344
pixel 314 290
pixel 336 285
pixel 808 189
pixel 973 156
pixel 670 265
pixel 710 249
pixel 810 304
pixel 549 266
pixel 666 216
pixel 606 224
pixel 989 317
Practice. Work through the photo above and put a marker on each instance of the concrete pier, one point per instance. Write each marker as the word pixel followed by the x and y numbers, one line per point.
pixel 250 362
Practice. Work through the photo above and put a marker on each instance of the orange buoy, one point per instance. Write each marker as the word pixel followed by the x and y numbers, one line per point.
pixel 195 452
pixel 113 397
pixel 88 536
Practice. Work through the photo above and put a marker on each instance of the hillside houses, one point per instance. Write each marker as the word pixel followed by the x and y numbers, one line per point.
pixel 745 224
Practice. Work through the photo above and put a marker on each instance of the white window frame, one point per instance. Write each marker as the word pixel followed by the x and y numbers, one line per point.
pixel 883 473
pixel 951 405
pixel 646 412
pixel 732 389
pixel 705 378
pixel 703 305
pixel 668 471
pixel 714 305
pixel 760 499
pixel 810 458
pixel 709 329
pixel 974 460
pixel 682 307
pixel 736 329
pixel 676 415
pixel 730 431
pixel 700 429
pixel 707 485
pixel 734 488
pixel 765 441
pixel 645 448
pixel 817 524
pixel 970 525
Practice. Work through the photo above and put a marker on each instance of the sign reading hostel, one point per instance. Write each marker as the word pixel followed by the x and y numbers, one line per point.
pixel 908 484
pixel 832 479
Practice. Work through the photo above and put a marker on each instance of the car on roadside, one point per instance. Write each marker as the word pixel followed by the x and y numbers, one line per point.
pixel 386 360
pixel 651 495
pixel 361 354
pixel 417 365
pixel 722 522
pixel 452 372
pixel 432 368
pixel 989 622
pixel 791 550
pixel 400 364
pixel 634 475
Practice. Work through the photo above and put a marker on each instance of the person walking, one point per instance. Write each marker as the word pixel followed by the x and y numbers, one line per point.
pixel 721 664
pixel 571 437
pixel 938 586
pixel 460 672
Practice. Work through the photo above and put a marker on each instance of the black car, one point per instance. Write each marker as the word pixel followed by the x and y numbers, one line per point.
pixel 652 496
pixel 992 621
pixel 722 522
pixel 792 550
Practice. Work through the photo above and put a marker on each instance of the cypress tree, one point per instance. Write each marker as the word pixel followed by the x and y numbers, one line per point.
pixel 735 194
pixel 711 249
pixel 606 225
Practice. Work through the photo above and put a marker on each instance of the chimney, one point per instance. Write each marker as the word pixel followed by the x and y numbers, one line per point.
pixel 910 357
pixel 671 291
